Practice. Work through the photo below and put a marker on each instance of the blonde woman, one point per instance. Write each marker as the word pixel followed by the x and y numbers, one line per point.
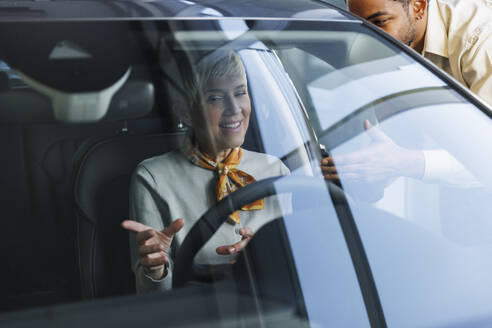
pixel 170 192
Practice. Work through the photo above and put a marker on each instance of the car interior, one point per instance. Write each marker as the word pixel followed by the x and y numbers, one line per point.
pixel 52 193
pixel 66 190
pixel 65 186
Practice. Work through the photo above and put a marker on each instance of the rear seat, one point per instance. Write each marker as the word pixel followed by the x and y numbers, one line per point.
pixel 37 248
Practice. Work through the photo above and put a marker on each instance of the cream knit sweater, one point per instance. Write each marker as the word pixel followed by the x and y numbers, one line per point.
pixel 167 187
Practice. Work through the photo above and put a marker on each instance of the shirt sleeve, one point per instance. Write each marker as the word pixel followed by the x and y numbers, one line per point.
pixel 477 63
pixel 148 208
pixel 442 167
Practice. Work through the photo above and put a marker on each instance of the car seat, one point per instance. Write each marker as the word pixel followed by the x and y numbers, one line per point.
pixel 103 169
pixel 36 192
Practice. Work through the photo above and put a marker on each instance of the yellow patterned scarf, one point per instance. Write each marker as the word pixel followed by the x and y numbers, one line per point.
pixel 230 178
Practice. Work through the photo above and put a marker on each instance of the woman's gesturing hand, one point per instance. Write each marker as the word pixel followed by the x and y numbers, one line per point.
pixel 153 245
pixel 246 234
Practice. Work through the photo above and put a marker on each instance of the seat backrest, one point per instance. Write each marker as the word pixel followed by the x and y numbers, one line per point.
pixel 102 172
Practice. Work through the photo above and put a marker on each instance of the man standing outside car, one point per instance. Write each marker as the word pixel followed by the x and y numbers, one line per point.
pixel 456 35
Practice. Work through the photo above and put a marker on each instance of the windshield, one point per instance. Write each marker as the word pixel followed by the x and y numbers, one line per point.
pixel 407 150
pixel 239 173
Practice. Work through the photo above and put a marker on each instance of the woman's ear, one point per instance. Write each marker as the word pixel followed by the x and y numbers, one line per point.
pixel 418 8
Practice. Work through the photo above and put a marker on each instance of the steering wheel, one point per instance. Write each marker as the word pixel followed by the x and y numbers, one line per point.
pixel 208 224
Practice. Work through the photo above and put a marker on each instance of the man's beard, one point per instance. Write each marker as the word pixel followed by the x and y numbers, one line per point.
pixel 408 36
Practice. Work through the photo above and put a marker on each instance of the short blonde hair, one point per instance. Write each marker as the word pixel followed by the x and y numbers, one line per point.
pixel 220 63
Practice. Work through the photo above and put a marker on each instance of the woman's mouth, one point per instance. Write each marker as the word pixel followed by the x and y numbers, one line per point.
pixel 231 126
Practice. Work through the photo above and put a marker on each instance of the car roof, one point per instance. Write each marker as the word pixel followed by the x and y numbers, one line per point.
pixel 182 9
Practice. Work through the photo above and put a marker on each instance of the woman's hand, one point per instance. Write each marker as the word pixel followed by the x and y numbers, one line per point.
pixel 153 246
pixel 246 234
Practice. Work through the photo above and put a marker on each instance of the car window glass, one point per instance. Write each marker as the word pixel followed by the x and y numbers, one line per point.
pixel 438 227
pixel 151 156
pixel 432 229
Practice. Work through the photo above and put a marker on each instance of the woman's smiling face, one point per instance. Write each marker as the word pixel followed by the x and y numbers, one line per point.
pixel 223 119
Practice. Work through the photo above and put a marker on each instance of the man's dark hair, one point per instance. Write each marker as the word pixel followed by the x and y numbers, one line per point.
pixel 405 3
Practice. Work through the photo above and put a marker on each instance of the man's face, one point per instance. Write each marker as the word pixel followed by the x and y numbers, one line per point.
pixel 389 15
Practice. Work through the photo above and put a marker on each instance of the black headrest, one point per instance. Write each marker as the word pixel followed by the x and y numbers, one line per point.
pixel 134 99
pixel 81 78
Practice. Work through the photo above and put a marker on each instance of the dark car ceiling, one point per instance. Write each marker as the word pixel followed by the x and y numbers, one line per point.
pixel 98 9
pixel 261 8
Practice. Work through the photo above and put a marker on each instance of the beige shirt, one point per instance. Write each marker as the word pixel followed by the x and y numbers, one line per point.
pixel 459 41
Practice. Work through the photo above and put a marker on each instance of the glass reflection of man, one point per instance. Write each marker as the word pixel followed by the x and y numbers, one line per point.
pixel 456 35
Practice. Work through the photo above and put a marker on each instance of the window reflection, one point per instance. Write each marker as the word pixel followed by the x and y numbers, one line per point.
pixel 430 225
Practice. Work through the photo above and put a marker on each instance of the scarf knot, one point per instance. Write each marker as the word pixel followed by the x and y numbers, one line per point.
pixel 229 177
pixel 223 169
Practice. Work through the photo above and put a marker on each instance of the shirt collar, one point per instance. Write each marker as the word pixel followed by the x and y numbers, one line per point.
pixel 436 36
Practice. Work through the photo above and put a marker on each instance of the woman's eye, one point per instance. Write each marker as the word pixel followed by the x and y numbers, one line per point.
pixel 241 93
pixel 214 98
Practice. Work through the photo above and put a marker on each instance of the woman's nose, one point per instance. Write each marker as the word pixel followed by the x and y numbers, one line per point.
pixel 232 105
